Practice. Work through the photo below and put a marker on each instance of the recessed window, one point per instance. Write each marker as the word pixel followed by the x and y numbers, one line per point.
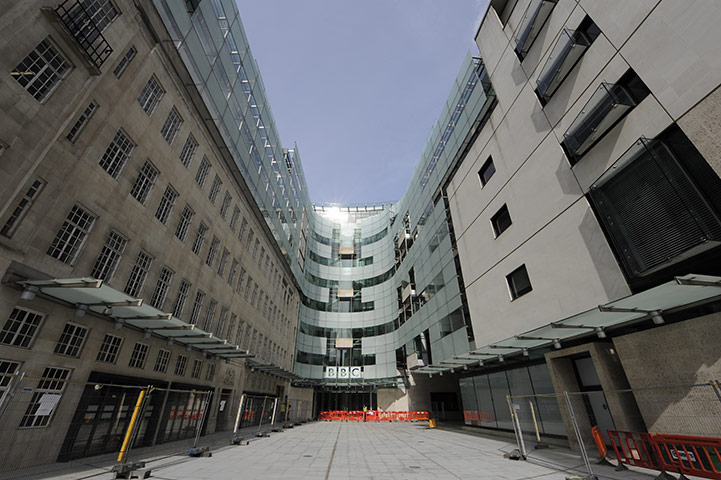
pixel 71 340
pixel 225 205
pixel 151 95
pixel 109 349
pixel 199 239
pixel 197 306
pixel 20 328
pixel 7 373
pixel 223 262
pixel 180 365
pixel 197 368
pixel 186 155
pixel 166 204
pixel 144 183
pixel 138 274
pixel 71 236
pixel 162 360
pixel 117 154
pixel 124 62
pixel 22 208
pixel 210 374
pixel 161 288
pixel 41 71
pixel 171 126
pixel 109 256
pixel 210 259
pixel 215 189
pixel 486 171
pixel 82 122
pixel 184 223
pixel 518 282
pixel 181 298
pixel 501 221
pixel 140 353
pixel 210 315
pixel 202 173
pixel 52 384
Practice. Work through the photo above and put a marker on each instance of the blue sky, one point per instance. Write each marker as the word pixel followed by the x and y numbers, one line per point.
pixel 359 84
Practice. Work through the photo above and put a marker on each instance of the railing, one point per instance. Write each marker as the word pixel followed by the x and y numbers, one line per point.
pixel 535 17
pixel 569 48
pixel 81 25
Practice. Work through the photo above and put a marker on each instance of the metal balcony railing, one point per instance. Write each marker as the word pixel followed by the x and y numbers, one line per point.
pixel 82 26
pixel 535 17
pixel 569 48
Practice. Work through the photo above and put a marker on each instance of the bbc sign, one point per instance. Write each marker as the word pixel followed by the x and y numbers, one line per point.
pixel 343 372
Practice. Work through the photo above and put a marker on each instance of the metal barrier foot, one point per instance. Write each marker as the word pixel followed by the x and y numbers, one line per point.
pixel 621 467
pixel 514 455
pixel 262 434
pixel 664 476
pixel 130 470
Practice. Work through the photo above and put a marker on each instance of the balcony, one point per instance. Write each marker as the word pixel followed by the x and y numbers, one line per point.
pixel 569 48
pixel 606 106
pixel 533 20
pixel 86 32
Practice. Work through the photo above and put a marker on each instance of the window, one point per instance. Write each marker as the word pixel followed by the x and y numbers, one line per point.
pixel 81 122
pixel 225 205
pixel 144 183
pixel 248 286
pixel 213 195
pixel 234 218
pixel 220 329
pixel 71 236
pixel 207 325
pixel 214 244
pixel 233 269
pixel 202 174
pixel 199 239
pixel 186 155
pixel 180 364
pixel 241 276
pixel 254 296
pixel 183 291
pixel 518 282
pixel 171 126
pixel 260 258
pixel 241 232
pixel 22 208
pixel 210 373
pixel 249 240
pixel 197 305
pixel 501 221
pixel 161 288
pixel 486 171
pixel 124 62
pixel 41 71
pixel 71 340
pixel 109 257
pixel 100 12
pixel 166 204
pixel 138 274
pixel 140 353
pixel 150 95
pixel 109 349
pixel 197 368
pixel 255 249
pixel 231 325
pixel 20 328
pixel 184 223
pixel 117 154
pixel 7 372
pixel 223 262
pixel 45 398
pixel 162 360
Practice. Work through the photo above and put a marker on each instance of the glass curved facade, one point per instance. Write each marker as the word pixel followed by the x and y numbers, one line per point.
pixel 380 286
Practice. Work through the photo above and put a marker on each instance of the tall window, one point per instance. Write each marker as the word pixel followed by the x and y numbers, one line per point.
pixel 74 132
pixel 500 221
pixel 233 270
pixel 109 349
pixel 124 62
pixel 199 239
pixel 180 365
pixel 22 208
pixel 109 256
pixel 117 154
pixel 210 374
pixel 202 173
pixel 241 231
pixel 214 244
pixel 181 298
pixel 225 205
pixel 241 277
pixel 41 71
pixel 223 262
pixel 144 183
pixel 139 355
pixel 150 95
pixel 71 340
pixel 20 328
pixel 220 329
pixel 171 126
pixel 518 282
pixel 184 223
pixel 161 288
pixel 486 171
pixel 162 360
pixel 71 236
pixel 234 218
pixel 197 305
pixel 48 392
pixel 138 274
pixel 7 372
pixel 217 183
pixel 166 204
pixel 248 286
pixel 249 240
pixel 208 324
pixel 197 367
pixel 186 155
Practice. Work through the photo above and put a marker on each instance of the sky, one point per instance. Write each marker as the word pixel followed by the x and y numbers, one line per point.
pixel 359 84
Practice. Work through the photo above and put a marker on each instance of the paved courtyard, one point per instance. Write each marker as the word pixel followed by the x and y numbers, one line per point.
pixel 349 450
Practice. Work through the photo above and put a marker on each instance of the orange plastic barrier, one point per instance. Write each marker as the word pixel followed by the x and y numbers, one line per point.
pixel 600 443
pixel 699 456
pixel 634 448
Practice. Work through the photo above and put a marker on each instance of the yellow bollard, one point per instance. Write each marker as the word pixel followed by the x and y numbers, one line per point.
pixel 129 433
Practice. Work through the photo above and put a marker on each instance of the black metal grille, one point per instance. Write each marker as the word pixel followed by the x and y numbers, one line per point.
pixel 87 33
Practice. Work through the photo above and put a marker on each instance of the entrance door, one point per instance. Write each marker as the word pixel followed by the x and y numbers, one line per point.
pixel 595 402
